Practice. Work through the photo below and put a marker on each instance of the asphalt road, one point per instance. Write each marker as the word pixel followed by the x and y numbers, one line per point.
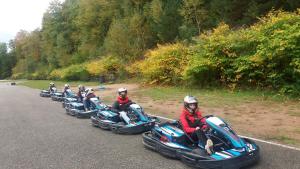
pixel 35 133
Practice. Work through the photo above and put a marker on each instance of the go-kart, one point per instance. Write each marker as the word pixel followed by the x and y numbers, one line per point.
pixel 57 96
pixel 77 108
pixel 60 96
pixel 229 150
pixel 70 98
pixel 48 93
pixel 131 121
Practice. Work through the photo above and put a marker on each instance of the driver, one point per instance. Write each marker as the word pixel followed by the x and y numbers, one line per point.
pixel 66 91
pixel 51 87
pixel 122 104
pixel 86 100
pixel 81 90
pixel 193 126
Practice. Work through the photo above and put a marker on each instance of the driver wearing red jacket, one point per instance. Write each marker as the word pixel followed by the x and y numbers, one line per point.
pixel 193 123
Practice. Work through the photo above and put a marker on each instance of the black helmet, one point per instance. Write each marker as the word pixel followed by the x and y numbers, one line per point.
pixel 188 102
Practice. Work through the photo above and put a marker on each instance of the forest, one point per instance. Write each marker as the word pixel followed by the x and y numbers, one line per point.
pixel 229 43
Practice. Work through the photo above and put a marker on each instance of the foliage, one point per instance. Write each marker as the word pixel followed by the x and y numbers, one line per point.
pixel 105 67
pixel 74 72
pixel 264 55
pixel 164 64
pixel 77 31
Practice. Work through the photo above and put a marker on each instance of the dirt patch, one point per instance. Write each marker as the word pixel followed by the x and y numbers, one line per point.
pixel 269 120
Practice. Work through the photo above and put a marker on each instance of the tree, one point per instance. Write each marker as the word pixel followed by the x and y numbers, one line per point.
pixel 194 13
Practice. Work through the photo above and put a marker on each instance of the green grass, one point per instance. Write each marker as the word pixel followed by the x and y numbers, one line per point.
pixel 43 84
pixel 294 113
pixel 210 97
pixel 284 139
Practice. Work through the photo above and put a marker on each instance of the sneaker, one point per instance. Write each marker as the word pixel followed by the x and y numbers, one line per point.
pixel 209 146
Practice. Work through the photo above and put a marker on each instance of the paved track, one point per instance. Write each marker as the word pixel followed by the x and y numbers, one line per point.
pixel 35 133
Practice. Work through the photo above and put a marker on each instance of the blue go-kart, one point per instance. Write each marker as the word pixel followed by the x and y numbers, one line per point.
pixel 229 150
pixel 76 108
pixel 132 121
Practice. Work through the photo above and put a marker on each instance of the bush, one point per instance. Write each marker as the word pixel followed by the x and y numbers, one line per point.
pixel 41 74
pixel 264 55
pixel 164 65
pixel 73 72
pixel 106 67
pixel 56 74
pixel 76 72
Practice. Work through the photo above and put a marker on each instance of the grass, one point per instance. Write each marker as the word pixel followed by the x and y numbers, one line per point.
pixel 210 97
pixel 284 139
pixel 294 113
pixel 43 84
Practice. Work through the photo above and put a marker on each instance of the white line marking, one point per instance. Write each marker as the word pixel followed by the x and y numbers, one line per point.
pixel 268 142
pixel 255 139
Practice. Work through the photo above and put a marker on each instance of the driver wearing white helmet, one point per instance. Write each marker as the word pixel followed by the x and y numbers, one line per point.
pixel 66 88
pixel 81 90
pixel 51 87
pixel 194 124
pixel 122 102
pixel 86 100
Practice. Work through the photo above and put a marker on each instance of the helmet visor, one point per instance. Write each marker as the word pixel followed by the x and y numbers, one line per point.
pixel 193 106
pixel 123 94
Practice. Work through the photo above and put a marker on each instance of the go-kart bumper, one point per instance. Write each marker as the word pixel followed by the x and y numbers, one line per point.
pixel 57 98
pixel 198 161
pixel 137 129
pixel 80 113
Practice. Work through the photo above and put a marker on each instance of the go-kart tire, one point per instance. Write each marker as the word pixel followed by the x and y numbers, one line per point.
pixel 94 124
pixel 63 104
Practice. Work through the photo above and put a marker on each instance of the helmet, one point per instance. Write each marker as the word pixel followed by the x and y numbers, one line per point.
pixel 79 86
pixel 67 85
pixel 122 92
pixel 89 90
pixel 51 84
pixel 190 103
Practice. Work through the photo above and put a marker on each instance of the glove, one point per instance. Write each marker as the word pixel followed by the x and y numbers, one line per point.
pixel 204 127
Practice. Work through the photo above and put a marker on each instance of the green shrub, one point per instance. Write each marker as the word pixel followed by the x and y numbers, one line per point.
pixel 106 67
pixel 164 65
pixel 265 55
pixel 76 72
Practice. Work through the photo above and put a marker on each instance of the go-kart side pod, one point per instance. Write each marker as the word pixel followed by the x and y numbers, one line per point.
pixel 45 93
pixel 135 128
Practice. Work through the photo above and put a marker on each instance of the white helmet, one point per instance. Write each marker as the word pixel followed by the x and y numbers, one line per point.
pixel 190 103
pixel 89 91
pixel 51 84
pixel 79 86
pixel 122 92
pixel 67 85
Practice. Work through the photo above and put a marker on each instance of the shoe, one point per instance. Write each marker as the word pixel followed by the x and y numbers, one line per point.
pixel 209 146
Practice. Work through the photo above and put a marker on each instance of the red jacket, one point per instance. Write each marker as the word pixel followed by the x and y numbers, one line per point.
pixel 185 116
